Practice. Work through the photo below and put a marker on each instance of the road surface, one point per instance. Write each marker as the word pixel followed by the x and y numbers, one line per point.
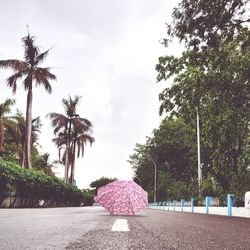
pixel 93 228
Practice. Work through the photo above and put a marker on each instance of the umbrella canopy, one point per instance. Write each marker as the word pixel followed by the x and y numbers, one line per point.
pixel 122 197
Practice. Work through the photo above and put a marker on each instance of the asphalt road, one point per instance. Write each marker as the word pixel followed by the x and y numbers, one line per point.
pixel 90 228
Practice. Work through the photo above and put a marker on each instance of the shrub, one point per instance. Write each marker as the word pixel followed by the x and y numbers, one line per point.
pixel 31 186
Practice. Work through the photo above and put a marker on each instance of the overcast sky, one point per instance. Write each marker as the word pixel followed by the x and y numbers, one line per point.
pixel 103 50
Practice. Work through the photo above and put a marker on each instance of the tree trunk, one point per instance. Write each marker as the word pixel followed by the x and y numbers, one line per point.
pixel 28 124
pixel 72 176
pixel 66 172
pixel 66 161
pixel 23 156
pixel 1 136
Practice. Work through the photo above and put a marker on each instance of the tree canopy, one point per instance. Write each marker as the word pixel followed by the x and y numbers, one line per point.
pixel 101 182
pixel 210 77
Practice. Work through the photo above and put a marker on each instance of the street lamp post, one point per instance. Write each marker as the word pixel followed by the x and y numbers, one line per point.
pixel 199 153
pixel 154 181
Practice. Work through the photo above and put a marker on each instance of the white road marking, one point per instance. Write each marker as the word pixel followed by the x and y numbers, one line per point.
pixel 120 225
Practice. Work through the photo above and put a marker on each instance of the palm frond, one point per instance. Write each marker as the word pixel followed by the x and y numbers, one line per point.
pixel 15 65
pixel 36 124
pixel 58 121
pixel 41 57
pixel 27 82
pixel 70 105
pixel 81 126
pixel 60 140
pixel 31 51
pixel 5 107
pixel 45 72
pixel 12 80
pixel 86 122
pixel 41 76
pixel 81 141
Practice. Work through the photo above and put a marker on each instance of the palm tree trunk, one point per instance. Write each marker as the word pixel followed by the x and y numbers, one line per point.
pixel 66 172
pixel 66 160
pixel 28 128
pixel 72 176
pixel 1 135
pixel 23 157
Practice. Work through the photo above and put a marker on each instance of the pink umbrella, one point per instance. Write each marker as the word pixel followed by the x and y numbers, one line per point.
pixel 122 197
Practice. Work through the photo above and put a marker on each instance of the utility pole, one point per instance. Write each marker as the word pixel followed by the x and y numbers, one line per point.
pixel 154 181
pixel 199 152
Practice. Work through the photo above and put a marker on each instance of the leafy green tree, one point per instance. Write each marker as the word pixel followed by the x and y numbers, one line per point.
pixel 204 23
pixel 172 148
pixel 15 138
pixel 31 72
pixel 211 77
pixel 43 163
pixel 5 110
pixel 101 182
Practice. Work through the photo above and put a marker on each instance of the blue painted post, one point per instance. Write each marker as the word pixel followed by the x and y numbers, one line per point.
pixel 208 199
pixel 207 205
pixel 174 204
pixel 229 204
pixel 182 205
pixel 192 204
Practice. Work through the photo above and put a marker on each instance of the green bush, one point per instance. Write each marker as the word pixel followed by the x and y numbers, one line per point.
pixel 31 186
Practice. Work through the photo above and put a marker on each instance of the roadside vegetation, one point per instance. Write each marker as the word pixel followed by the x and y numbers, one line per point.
pixel 26 173
pixel 22 187
pixel 211 78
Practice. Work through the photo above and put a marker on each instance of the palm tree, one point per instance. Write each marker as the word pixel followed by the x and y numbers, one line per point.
pixel 30 72
pixel 64 126
pixel 5 109
pixel 45 165
pixel 16 133
pixel 80 137
pixel 60 142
